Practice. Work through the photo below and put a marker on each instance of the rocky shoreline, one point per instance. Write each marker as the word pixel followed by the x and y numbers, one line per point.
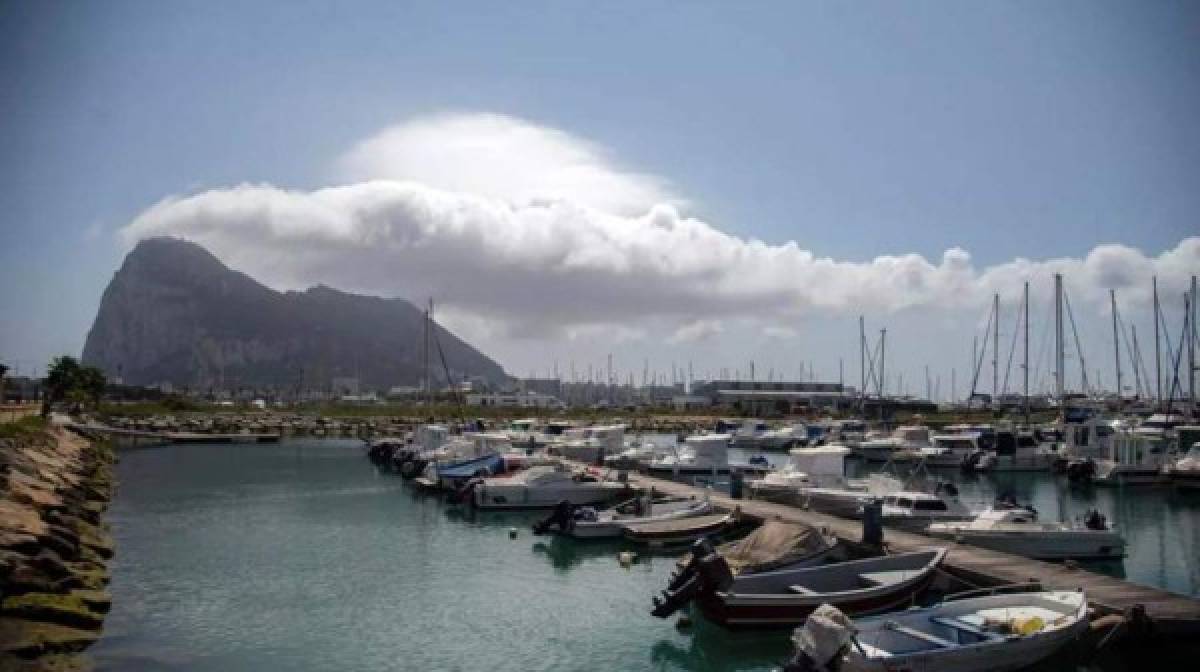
pixel 54 547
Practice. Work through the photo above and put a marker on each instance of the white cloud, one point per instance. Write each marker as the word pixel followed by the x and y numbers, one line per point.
pixel 779 332
pixel 700 330
pixel 505 159
pixel 454 208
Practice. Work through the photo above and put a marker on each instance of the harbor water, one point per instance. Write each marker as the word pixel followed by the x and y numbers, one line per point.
pixel 303 556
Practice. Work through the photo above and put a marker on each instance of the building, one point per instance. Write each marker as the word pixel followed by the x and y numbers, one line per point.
pixel 774 397
pixel 513 400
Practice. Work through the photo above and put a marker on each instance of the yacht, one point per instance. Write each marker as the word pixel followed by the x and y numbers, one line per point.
pixel 543 487
pixel 698 455
pixel 805 468
pixel 1185 472
pixel 902 439
pixel 784 438
pixel 1018 531
pixel 915 510
pixel 590 445
pixel 1137 456
pixel 849 433
pixel 951 450
pixel 1087 437
pixel 750 434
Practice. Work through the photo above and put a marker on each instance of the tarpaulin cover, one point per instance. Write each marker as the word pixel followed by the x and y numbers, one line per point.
pixel 774 544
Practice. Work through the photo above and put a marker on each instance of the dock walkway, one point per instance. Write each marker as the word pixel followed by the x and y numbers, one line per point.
pixel 1174 615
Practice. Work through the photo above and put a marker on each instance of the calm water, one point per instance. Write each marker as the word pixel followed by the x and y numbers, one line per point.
pixel 300 556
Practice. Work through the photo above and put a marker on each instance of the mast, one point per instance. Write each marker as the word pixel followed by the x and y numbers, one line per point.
pixel 1112 295
pixel 1157 356
pixel 1026 365
pixel 1059 341
pixel 1191 339
pixel 1137 370
pixel 995 348
pixel 862 360
pixel 882 362
pixel 428 387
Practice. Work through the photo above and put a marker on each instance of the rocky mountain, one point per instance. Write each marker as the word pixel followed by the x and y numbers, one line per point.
pixel 175 314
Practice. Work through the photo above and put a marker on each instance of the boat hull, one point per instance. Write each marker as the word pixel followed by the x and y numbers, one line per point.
pixel 519 497
pixel 1051 546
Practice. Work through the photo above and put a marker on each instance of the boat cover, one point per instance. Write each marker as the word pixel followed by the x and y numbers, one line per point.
pixel 494 464
pixel 773 544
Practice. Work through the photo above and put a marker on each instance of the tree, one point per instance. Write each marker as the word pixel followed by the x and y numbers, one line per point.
pixel 67 379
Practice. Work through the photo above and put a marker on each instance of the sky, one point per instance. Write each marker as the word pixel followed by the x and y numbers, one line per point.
pixel 711 183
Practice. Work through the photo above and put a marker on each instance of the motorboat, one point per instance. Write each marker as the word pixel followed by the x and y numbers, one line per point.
pixel 702 454
pixel 784 438
pixel 1087 437
pixel 915 510
pixel 1018 531
pixel 849 432
pixel 903 438
pixel 749 434
pixel 805 468
pixel 771 546
pixel 950 451
pixel 1138 456
pixel 524 432
pixel 1185 472
pixel 786 597
pixel 1021 450
pixel 679 531
pixel 543 487
pixel 462 458
pixel 590 445
pixel 993 633
pixel 588 523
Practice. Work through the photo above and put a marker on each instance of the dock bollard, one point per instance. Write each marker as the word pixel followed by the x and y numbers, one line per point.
pixel 736 481
pixel 873 523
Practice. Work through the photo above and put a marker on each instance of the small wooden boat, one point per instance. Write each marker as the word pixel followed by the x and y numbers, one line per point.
pixel 993 633
pixel 786 597
pixel 677 531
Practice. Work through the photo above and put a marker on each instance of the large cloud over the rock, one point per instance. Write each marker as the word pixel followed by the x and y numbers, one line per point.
pixel 533 232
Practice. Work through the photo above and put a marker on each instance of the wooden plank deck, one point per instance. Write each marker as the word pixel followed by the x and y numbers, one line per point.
pixel 1174 615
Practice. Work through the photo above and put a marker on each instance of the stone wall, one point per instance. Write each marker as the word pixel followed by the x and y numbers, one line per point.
pixel 54 546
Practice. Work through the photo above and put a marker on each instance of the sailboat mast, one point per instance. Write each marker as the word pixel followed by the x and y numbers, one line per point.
pixel 1157 356
pixel 1059 344
pixel 1026 366
pixel 1191 339
pixel 1112 295
pixel 862 360
pixel 995 348
pixel 1137 356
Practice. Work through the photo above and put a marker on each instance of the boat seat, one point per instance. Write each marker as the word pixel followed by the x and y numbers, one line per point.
pixel 801 590
pixel 923 636
pixel 955 623
pixel 874 579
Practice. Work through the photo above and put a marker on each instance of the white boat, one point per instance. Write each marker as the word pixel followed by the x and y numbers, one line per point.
pixel 543 487
pixel 611 522
pixel 590 445
pixel 805 468
pixel 749 434
pixel 1136 456
pixel 1018 531
pixel 904 438
pixel 914 510
pixel 950 450
pixel 1185 472
pixel 849 433
pixel 992 633
pixel 1015 451
pixel 784 438
pixel 698 455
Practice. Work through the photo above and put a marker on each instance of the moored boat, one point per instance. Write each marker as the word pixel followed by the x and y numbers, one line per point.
pixel 992 633
pixel 543 487
pixel 1019 532
pixel 588 523
pixel 786 597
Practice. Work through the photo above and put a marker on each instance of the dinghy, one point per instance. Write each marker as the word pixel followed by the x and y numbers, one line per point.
pixel 787 597
pixel 587 523
pixel 994 633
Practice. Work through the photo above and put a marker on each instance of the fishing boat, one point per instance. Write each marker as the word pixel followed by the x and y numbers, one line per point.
pixel 991 633
pixel 583 522
pixel 542 487
pixel 1185 472
pixel 1019 532
pixel 786 597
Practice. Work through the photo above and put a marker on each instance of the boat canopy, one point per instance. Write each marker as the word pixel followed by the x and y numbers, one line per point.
pixel 773 544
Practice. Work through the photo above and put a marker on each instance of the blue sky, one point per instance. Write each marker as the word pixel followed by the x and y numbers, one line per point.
pixel 1009 129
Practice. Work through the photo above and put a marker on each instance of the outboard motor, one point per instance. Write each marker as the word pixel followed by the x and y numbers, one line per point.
pixel 1081 471
pixel 465 493
pixel 700 549
pixel 1095 520
pixel 563 516
pixel 712 575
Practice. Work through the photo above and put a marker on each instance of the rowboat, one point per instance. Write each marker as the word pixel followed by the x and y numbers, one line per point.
pixel 993 633
pixel 786 597
pixel 677 531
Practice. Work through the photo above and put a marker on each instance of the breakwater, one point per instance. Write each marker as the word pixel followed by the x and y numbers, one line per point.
pixel 54 545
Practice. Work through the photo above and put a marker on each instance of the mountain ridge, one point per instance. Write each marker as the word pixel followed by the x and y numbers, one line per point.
pixel 174 313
